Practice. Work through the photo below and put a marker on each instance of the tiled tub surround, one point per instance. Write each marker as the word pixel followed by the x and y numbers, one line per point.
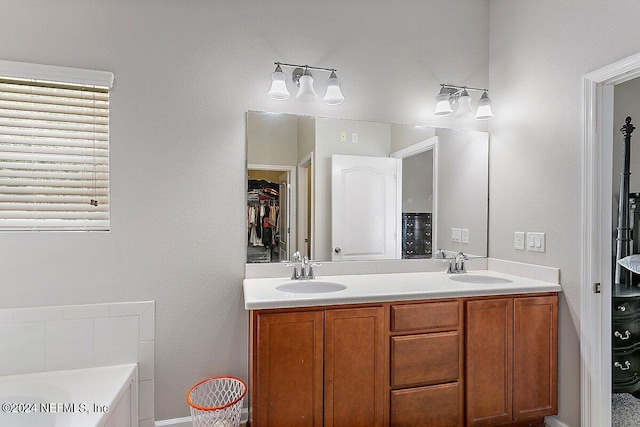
pixel 42 339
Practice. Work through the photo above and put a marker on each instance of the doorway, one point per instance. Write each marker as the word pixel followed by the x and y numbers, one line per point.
pixel 597 217
pixel 270 195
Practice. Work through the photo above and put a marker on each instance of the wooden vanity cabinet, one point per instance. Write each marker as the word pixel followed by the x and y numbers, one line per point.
pixel 511 359
pixel 318 368
pixel 486 361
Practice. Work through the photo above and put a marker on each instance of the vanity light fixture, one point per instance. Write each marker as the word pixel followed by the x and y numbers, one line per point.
pixel 457 97
pixel 302 77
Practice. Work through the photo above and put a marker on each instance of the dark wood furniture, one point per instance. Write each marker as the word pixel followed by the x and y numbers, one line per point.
pixel 416 235
pixel 625 339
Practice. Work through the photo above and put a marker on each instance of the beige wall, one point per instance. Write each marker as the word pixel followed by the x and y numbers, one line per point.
pixel 539 52
pixel 186 73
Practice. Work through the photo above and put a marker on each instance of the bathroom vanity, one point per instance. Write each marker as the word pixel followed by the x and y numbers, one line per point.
pixel 406 349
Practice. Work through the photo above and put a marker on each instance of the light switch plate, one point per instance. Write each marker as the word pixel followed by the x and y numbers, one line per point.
pixel 518 240
pixel 535 242
pixel 456 235
pixel 465 235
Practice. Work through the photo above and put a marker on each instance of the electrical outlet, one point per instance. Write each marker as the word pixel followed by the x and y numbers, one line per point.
pixel 535 242
pixel 465 235
pixel 518 240
pixel 456 235
pixel 354 137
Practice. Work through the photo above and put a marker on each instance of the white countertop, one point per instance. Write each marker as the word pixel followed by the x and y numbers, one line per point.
pixel 261 293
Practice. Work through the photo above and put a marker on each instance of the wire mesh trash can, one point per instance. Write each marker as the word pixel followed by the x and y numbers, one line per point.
pixel 217 402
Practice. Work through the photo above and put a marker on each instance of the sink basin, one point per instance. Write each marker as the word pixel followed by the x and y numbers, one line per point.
pixel 310 287
pixel 480 279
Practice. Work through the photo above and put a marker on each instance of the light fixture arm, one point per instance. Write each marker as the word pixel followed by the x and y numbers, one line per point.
pixel 305 67
pixel 455 88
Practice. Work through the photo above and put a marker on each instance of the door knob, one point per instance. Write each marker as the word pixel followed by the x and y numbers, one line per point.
pixel 337 250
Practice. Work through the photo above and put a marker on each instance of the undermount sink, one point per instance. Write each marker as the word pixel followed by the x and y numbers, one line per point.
pixel 310 287
pixel 480 279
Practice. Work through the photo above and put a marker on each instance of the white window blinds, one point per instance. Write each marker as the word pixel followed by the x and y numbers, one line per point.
pixel 54 155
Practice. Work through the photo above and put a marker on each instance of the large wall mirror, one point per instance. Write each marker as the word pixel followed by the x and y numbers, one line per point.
pixel 336 189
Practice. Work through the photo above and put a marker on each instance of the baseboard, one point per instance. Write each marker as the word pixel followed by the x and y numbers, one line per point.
pixel 554 422
pixel 186 421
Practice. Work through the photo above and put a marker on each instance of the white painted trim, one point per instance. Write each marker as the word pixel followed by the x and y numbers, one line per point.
pixel 187 421
pixel 595 316
pixel 175 422
pixel 398 232
pixel 554 422
pixel 417 148
pixel 23 70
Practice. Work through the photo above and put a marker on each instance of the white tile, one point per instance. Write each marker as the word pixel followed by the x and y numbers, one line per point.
pixel 6 315
pixel 22 349
pixel 115 340
pixel 146 402
pixel 146 359
pixel 69 344
pixel 148 322
pixel 126 308
pixel 88 311
pixel 37 314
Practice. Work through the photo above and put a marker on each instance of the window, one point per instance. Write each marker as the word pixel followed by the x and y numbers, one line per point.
pixel 54 148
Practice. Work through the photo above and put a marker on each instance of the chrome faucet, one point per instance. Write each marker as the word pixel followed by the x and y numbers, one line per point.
pixel 306 267
pixel 458 264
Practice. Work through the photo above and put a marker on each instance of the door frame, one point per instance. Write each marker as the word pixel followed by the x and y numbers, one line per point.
pixel 411 150
pixel 301 208
pixel 597 182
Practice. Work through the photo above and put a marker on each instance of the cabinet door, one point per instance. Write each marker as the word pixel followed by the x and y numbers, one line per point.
pixel 289 370
pixel 354 367
pixel 535 370
pixel 489 356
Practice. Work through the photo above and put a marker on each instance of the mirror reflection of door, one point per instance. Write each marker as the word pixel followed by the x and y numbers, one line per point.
pixel 364 207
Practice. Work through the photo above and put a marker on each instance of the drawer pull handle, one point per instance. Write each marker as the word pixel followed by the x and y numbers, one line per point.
pixel 626 366
pixel 622 308
pixel 626 335
pixel 409 234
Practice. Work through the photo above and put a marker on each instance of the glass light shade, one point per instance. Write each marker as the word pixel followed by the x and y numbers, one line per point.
pixel 464 105
pixel 333 95
pixel 306 92
pixel 443 106
pixel 484 108
pixel 278 90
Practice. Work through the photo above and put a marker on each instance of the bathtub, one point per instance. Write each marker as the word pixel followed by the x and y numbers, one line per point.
pixel 92 397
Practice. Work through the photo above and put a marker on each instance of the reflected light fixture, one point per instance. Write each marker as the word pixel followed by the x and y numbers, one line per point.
pixel 456 98
pixel 302 77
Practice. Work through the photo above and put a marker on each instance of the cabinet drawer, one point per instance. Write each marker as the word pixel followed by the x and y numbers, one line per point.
pixel 424 359
pixel 430 315
pixel 433 406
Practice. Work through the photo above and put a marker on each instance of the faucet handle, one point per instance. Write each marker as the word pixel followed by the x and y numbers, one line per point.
pixel 297 257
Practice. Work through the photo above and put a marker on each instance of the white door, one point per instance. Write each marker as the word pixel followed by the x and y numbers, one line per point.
pixel 283 221
pixel 364 207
